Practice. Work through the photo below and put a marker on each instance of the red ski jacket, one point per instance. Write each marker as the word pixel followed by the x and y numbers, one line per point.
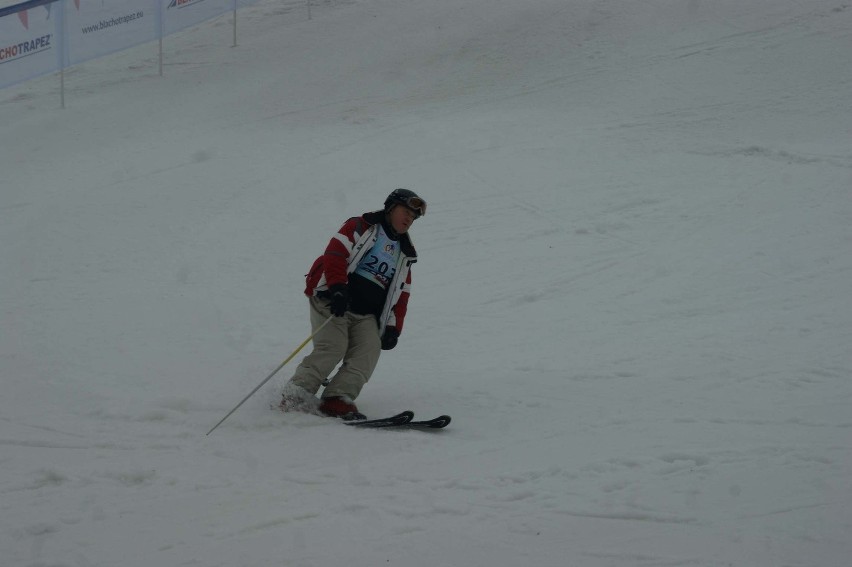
pixel 346 248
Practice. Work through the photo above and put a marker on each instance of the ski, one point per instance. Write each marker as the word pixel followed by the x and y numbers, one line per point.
pixel 439 422
pixel 404 420
pixel 392 421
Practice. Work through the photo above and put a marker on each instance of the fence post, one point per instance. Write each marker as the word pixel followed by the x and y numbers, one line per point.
pixel 162 19
pixel 63 42
pixel 235 24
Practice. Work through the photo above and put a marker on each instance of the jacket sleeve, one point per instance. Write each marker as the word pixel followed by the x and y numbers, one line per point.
pixel 399 310
pixel 335 259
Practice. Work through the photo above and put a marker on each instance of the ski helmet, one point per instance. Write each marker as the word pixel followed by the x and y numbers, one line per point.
pixel 408 198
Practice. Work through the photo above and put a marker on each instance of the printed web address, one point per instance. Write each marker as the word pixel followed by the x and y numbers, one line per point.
pixel 106 24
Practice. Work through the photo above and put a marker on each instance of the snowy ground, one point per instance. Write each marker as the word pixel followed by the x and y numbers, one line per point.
pixel 633 293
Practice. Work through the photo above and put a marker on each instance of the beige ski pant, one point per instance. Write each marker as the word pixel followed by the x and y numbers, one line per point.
pixel 352 339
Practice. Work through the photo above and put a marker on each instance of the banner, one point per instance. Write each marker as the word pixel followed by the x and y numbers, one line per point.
pixel 180 14
pixel 30 44
pixel 95 28
pixel 38 37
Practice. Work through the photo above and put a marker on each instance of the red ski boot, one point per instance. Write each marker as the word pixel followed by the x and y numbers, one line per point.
pixel 340 407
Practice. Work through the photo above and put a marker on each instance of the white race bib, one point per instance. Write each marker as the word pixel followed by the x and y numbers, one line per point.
pixel 379 264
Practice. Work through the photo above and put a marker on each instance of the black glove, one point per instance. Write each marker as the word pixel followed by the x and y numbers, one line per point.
pixel 390 338
pixel 339 295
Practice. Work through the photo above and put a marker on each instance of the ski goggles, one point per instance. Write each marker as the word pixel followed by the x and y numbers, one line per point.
pixel 416 204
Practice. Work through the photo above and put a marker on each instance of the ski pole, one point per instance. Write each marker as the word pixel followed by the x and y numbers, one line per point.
pixel 273 373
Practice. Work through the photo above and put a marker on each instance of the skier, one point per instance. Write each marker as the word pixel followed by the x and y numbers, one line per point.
pixel 362 281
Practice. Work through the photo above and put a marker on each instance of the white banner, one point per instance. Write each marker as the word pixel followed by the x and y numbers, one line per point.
pixel 180 14
pixel 38 37
pixel 30 44
pixel 95 28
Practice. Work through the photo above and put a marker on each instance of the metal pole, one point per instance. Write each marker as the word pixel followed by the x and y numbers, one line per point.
pixel 273 373
pixel 63 41
pixel 162 28
pixel 235 24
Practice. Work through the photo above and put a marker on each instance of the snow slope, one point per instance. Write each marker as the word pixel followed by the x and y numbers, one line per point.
pixel 633 292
